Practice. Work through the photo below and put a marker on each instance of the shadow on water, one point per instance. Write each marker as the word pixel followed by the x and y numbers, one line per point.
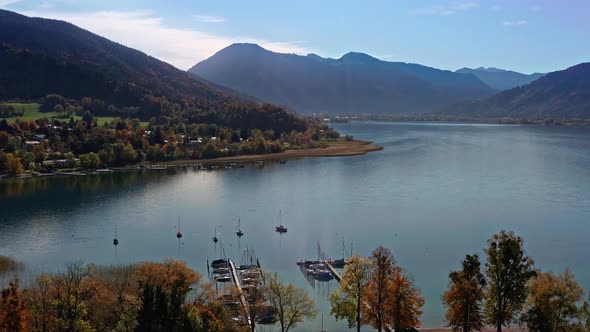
pixel 66 193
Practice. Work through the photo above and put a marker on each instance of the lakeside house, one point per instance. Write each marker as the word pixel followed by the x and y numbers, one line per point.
pixel 30 144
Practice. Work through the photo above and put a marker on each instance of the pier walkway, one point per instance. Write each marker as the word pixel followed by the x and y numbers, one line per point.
pixel 333 271
pixel 236 280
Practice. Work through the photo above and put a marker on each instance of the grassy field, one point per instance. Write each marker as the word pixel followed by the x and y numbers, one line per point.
pixel 32 112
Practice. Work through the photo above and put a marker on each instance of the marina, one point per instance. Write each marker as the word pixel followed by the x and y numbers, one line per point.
pixel 242 282
pixel 323 269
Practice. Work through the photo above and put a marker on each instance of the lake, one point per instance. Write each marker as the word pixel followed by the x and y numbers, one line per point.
pixel 435 193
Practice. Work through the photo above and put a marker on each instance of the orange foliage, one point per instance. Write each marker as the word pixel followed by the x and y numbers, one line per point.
pixel 166 274
pixel 13 313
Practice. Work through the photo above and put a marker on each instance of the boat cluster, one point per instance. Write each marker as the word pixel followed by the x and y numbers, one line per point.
pixel 318 270
pixel 250 276
pixel 221 272
pixel 250 271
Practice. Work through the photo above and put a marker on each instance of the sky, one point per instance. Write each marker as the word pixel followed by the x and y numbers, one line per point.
pixel 522 35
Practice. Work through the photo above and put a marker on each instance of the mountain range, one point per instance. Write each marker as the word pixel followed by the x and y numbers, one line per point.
pixel 560 94
pixel 500 79
pixel 43 56
pixel 354 83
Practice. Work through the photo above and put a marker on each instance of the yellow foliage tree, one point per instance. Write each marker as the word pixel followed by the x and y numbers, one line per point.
pixel 14 165
pixel 346 300
pixel 554 302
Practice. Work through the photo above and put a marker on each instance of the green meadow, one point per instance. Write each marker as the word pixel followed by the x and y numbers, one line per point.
pixel 32 112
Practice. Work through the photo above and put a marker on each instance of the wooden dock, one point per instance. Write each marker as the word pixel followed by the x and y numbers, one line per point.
pixel 236 280
pixel 333 271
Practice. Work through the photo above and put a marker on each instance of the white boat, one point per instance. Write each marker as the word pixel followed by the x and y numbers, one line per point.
pixel 223 278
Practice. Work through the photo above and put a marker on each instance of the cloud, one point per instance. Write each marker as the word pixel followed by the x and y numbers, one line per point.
pixel 209 19
pixel 7 3
pixel 144 31
pixel 496 8
pixel 450 9
pixel 515 23
pixel 47 5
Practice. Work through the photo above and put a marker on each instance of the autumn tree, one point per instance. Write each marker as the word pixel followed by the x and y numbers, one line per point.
pixel 391 299
pixel 346 301
pixel 41 303
pixel 14 165
pixel 164 290
pixel 405 303
pixel 464 298
pixel 13 312
pixel 71 296
pixel 508 271
pixel 293 305
pixel 115 303
pixel 377 293
pixel 39 154
pixel 554 302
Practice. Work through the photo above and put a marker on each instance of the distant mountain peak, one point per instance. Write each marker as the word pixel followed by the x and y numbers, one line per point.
pixel 250 46
pixel 244 48
pixel 500 79
pixel 560 94
pixel 314 56
pixel 358 58
pixel 491 69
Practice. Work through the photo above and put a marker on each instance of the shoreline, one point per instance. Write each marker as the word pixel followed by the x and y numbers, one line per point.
pixel 499 121
pixel 338 148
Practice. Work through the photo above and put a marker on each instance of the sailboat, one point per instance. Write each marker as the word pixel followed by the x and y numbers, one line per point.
pixel 221 263
pixel 115 240
pixel 280 228
pixel 339 263
pixel 239 233
pixel 215 239
pixel 179 233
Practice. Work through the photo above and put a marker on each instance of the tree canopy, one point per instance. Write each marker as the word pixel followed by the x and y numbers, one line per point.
pixel 464 298
pixel 508 271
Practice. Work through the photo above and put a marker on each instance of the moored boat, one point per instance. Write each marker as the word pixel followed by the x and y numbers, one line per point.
pixel 223 278
pixel 219 263
pixel 280 228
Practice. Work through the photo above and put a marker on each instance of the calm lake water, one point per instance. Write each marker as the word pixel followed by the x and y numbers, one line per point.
pixel 435 193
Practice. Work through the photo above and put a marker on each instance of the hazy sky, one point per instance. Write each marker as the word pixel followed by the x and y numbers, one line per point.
pixel 523 35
